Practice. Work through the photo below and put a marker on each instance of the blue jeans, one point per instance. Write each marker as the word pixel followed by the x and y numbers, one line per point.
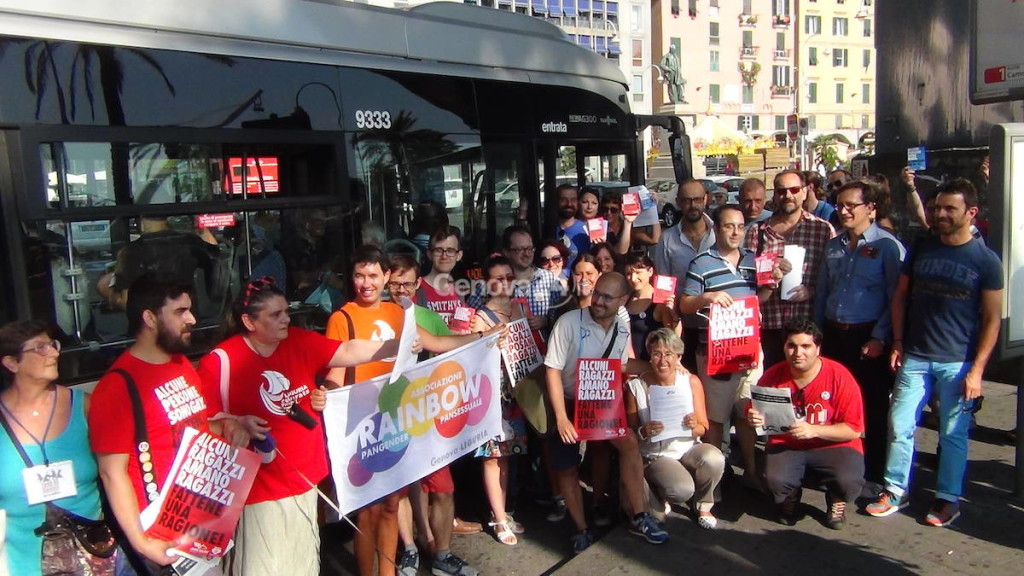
pixel 914 385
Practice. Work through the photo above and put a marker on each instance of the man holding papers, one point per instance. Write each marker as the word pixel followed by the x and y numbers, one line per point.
pixel 825 435
pixel 666 407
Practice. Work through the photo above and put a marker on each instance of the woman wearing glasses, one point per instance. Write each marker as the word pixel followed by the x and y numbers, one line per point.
pixel 49 422
pixel 500 309
pixel 677 465
pixel 553 257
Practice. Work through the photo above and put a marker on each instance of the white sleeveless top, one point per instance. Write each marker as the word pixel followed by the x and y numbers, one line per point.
pixel 675 448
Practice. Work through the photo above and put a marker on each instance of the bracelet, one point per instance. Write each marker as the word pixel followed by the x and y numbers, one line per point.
pixel 640 432
pixel 480 334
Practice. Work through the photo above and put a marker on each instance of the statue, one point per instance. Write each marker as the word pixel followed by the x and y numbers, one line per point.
pixel 670 75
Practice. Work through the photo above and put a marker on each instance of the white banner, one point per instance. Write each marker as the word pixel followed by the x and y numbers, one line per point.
pixel 382 437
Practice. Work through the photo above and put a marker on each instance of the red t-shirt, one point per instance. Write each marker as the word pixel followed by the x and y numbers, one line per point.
pixel 172 398
pixel 267 387
pixel 443 303
pixel 833 397
pixel 378 324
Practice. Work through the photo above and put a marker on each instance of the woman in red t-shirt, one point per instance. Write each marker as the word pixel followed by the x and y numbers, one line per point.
pixel 268 369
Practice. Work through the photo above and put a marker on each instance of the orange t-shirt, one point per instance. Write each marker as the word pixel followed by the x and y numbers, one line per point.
pixel 369 323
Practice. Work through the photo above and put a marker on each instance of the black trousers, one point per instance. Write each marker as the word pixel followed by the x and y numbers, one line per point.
pixel 771 345
pixel 875 379
pixel 840 469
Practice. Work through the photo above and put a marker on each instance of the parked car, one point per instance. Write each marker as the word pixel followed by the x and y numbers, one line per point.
pixel 730 183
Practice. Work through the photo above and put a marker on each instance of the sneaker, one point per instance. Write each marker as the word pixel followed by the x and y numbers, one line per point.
pixel 886 505
pixel 647 528
pixel 602 516
pixel 707 522
pixel 581 541
pixel 558 510
pixel 409 563
pixel 836 517
pixel 787 509
pixel 943 513
pixel 452 565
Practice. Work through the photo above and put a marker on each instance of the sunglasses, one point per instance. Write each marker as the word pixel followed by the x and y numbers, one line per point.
pixel 553 260
pixel 788 189
pixel 611 209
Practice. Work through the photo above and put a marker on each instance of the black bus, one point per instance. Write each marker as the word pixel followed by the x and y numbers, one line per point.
pixel 282 134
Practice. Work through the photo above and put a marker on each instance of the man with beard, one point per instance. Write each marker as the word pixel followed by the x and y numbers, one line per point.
pixel 789 225
pixel 753 198
pixel 571 231
pixel 679 245
pixel 954 285
pixel 592 333
pixel 155 382
pixel 539 287
pixel 855 286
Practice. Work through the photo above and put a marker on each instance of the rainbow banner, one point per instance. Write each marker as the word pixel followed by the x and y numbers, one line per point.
pixel 382 437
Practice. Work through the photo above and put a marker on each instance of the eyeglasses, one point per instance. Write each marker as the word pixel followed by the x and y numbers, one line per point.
pixel 611 209
pixel 684 200
pixel 408 286
pixel 521 249
pixel 655 356
pixel 605 297
pixel 781 190
pixel 849 207
pixel 42 348
pixel 449 252
pixel 553 260
pixel 835 184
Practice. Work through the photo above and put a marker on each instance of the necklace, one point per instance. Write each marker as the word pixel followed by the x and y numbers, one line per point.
pixel 46 431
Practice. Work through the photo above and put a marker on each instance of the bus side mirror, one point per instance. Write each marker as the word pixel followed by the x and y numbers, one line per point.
pixel 681 163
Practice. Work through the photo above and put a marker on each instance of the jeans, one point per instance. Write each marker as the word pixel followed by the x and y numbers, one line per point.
pixel 914 385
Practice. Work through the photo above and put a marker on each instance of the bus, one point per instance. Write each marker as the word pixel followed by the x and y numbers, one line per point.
pixel 283 134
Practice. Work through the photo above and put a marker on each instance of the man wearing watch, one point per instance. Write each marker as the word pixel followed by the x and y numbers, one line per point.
pixel 858 277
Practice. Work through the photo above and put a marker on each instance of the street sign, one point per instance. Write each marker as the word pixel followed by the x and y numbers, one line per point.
pixel 803 126
pixel 792 126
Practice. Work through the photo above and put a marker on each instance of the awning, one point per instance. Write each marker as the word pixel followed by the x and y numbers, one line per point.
pixel 554 8
pixel 613 7
pixel 539 6
pixel 569 7
pixel 586 42
pixel 613 48
pixel 601 44
pixel 584 5
pixel 598 5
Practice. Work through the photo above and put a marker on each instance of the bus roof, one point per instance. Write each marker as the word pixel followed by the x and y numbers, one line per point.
pixel 441 38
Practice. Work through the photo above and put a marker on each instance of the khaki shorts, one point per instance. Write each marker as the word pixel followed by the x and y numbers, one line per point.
pixel 278 537
pixel 727 397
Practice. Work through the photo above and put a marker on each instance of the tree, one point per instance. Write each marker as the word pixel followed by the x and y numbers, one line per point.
pixel 825 153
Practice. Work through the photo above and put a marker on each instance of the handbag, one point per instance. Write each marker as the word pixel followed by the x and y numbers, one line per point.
pixel 72 545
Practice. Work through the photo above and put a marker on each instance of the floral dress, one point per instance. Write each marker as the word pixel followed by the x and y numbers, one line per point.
pixel 512 440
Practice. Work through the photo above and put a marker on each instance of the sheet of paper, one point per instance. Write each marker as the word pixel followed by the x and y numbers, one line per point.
pixel 669 405
pixel 795 254
pixel 406 357
pixel 649 215
pixel 776 405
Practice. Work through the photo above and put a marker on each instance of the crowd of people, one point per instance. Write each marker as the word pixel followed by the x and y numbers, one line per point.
pixel 867 332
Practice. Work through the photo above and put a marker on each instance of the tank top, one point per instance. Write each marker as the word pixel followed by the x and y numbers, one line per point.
pixel 675 448
pixel 641 324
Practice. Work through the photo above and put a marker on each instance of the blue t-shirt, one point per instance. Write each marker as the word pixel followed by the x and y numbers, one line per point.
pixel 945 298
pixel 576 239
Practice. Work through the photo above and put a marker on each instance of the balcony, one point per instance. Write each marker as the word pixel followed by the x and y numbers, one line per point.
pixel 781 54
pixel 748 20
pixel 781 20
pixel 779 91
pixel 748 52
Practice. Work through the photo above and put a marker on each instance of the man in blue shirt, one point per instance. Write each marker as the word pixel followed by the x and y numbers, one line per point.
pixel 570 230
pixel 855 286
pixel 954 285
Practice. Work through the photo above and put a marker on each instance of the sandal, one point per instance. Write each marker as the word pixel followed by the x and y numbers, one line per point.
pixel 503 533
pixel 516 527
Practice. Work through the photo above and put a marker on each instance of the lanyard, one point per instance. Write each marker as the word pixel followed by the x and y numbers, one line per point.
pixel 46 432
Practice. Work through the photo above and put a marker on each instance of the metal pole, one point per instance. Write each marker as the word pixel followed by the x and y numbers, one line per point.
pixel 1019 456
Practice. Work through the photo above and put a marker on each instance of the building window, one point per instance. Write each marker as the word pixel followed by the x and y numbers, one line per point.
pixel 839 57
pixel 780 75
pixel 865 121
pixel 867 58
pixel 812 122
pixel 839 121
pixel 748 38
pixel 638 52
pixel 747 9
pixel 713 34
pixel 780 7
pixel 780 122
pixel 748 94
pixel 812 24
pixel 746 123
pixel 780 41
pixel 812 92
pixel 636 19
pixel 716 93
pixel 865 94
pixel 638 88
pixel 715 61
pixel 812 56
pixel 867 28
pixel 839 26
pixel 839 93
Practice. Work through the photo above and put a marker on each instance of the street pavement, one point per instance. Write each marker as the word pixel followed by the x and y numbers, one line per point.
pixel 988 539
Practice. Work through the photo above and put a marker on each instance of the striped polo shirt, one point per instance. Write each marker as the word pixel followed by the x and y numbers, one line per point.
pixel 709 272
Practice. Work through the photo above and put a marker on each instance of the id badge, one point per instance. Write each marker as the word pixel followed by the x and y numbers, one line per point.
pixel 47 483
